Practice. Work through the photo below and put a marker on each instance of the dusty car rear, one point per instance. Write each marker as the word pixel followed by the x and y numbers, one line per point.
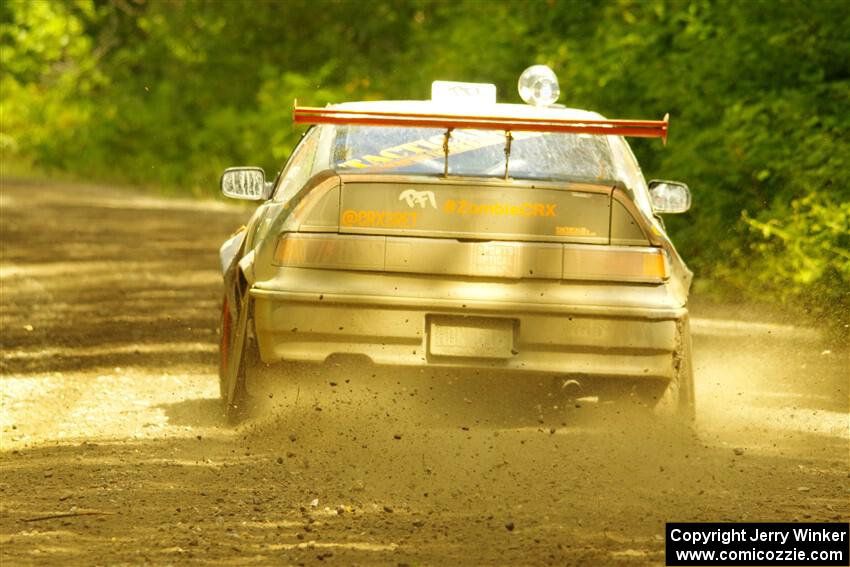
pixel 532 252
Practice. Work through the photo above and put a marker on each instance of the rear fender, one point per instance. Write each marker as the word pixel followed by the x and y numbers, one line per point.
pixel 236 269
pixel 229 251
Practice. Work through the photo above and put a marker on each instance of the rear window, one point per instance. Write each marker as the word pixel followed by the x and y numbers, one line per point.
pixel 475 153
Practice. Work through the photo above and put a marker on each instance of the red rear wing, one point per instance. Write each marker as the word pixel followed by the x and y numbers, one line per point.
pixel 634 128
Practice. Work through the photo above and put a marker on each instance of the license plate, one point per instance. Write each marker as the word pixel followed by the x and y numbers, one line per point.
pixel 471 337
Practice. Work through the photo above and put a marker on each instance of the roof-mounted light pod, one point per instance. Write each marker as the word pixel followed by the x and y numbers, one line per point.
pixel 538 86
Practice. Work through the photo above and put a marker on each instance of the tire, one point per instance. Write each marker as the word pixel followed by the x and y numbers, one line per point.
pixel 677 401
pixel 232 359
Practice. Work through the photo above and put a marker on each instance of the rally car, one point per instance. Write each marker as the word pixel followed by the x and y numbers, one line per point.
pixel 462 233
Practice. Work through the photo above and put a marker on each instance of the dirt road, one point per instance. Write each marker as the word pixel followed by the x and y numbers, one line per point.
pixel 110 422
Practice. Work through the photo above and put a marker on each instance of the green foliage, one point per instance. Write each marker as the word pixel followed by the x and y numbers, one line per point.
pixel 170 93
pixel 802 254
pixel 47 64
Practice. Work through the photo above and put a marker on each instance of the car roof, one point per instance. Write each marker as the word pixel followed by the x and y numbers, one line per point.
pixel 499 110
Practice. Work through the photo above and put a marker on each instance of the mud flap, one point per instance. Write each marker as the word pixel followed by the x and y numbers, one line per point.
pixel 234 394
pixel 677 401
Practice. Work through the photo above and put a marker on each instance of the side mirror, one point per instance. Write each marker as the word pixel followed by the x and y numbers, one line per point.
pixel 247 183
pixel 669 196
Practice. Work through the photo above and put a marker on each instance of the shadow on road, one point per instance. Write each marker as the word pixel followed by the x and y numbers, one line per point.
pixel 203 412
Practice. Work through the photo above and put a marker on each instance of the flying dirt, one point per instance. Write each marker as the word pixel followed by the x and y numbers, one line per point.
pixel 115 449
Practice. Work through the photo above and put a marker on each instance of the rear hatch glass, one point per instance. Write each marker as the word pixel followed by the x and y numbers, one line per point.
pixel 475 153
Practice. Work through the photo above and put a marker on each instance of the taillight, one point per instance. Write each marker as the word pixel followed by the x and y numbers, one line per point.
pixel 300 250
pixel 637 264
pixel 474 259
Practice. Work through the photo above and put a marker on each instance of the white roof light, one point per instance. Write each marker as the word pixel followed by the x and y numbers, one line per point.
pixel 538 85
pixel 466 93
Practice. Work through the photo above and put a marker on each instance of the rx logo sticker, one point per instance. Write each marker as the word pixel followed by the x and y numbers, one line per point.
pixel 422 198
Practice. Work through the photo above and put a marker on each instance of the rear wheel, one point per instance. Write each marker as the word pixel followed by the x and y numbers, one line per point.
pixel 232 358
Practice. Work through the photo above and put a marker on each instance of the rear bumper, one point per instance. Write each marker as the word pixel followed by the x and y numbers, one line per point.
pixel 577 328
